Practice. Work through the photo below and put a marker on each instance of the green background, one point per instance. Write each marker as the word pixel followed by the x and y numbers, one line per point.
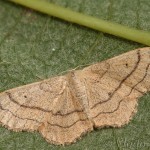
pixel 35 46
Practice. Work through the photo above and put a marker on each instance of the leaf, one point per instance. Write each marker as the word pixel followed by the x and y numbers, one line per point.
pixel 35 46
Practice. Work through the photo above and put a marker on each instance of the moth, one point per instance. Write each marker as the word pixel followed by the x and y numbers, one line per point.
pixel 63 108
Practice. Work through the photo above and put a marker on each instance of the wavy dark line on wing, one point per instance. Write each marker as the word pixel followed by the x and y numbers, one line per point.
pixel 41 109
pixel 1 107
pixel 146 72
pixel 119 86
pixel 69 126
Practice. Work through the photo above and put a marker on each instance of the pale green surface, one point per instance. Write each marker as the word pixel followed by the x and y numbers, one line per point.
pixel 27 41
pixel 96 23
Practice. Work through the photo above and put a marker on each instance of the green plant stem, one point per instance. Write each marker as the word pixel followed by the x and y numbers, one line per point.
pixel 86 20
